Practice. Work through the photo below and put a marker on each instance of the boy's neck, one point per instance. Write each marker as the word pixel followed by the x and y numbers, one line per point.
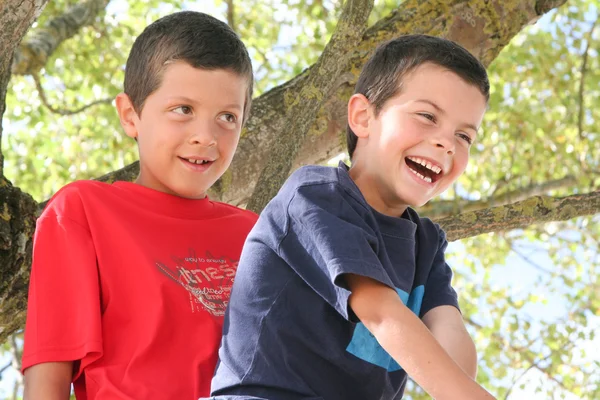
pixel 376 200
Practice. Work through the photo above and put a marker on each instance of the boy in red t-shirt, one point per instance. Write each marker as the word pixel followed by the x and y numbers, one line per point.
pixel 130 281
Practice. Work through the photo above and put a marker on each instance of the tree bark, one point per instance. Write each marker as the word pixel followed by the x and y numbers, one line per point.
pixel 438 209
pixel 17 210
pixel 535 210
pixel 34 52
pixel 303 104
pixel 16 16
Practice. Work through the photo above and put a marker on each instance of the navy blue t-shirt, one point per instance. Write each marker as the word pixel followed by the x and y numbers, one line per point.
pixel 289 333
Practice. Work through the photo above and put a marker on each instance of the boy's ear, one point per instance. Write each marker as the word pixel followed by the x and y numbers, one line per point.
pixel 127 115
pixel 359 115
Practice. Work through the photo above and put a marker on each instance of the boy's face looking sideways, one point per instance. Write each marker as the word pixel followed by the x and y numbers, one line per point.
pixel 432 120
pixel 188 129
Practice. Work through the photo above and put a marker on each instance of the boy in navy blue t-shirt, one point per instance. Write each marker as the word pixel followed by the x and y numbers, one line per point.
pixel 342 289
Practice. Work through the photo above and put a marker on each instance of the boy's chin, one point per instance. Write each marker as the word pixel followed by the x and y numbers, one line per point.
pixel 418 204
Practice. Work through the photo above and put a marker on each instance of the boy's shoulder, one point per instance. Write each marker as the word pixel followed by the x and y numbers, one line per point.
pixel 72 201
pixel 74 192
pixel 312 175
pixel 336 178
pixel 82 186
pixel 322 185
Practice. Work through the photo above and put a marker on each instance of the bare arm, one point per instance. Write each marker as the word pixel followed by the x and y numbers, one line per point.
pixel 49 381
pixel 447 326
pixel 402 334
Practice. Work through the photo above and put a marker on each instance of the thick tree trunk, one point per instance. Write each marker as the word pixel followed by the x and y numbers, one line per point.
pixel 17 210
pixel 483 27
pixel 304 104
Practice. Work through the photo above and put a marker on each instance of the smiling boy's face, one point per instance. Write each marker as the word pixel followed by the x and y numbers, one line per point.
pixel 418 144
pixel 188 129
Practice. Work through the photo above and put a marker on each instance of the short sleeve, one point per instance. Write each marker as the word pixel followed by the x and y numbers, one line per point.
pixel 331 234
pixel 438 289
pixel 64 308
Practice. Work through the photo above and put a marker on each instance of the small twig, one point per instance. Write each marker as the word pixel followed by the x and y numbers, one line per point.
pixel 230 14
pixel 59 111
pixel 567 345
pixel 7 366
pixel 582 79
pixel 17 353
pixel 530 262
pixel 510 389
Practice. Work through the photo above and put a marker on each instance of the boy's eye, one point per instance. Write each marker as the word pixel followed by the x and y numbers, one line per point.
pixel 465 137
pixel 428 116
pixel 185 110
pixel 228 118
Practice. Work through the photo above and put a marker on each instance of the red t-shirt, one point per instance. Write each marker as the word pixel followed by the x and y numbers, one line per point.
pixel 133 283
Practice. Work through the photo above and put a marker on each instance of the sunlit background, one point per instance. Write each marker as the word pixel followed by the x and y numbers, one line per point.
pixel 531 298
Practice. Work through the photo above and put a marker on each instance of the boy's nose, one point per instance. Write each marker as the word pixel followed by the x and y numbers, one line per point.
pixel 444 141
pixel 203 136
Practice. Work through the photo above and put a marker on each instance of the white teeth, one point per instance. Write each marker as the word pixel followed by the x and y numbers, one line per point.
pixel 426 164
pixel 425 178
pixel 196 161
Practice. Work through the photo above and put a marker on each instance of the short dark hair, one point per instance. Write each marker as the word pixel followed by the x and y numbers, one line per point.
pixel 193 37
pixel 381 77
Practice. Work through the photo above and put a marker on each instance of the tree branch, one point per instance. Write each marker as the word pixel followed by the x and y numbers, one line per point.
pixel 484 28
pixel 530 261
pixel 523 352
pixel 582 79
pixel 543 6
pixel 303 104
pixel 444 208
pixel 16 16
pixel 7 366
pixel 535 210
pixel 61 111
pixel 531 366
pixel 34 52
pixel 231 14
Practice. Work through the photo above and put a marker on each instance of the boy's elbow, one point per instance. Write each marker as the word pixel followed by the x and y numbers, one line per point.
pixel 445 323
pixel 470 364
pixel 462 349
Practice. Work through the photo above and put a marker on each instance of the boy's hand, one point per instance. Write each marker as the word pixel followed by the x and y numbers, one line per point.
pixel 447 326
pixel 48 381
pixel 402 334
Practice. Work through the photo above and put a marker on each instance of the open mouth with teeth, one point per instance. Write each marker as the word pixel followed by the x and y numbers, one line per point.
pixel 197 162
pixel 423 169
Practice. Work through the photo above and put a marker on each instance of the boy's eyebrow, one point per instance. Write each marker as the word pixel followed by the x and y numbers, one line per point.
pixel 441 111
pixel 192 101
pixel 431 103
